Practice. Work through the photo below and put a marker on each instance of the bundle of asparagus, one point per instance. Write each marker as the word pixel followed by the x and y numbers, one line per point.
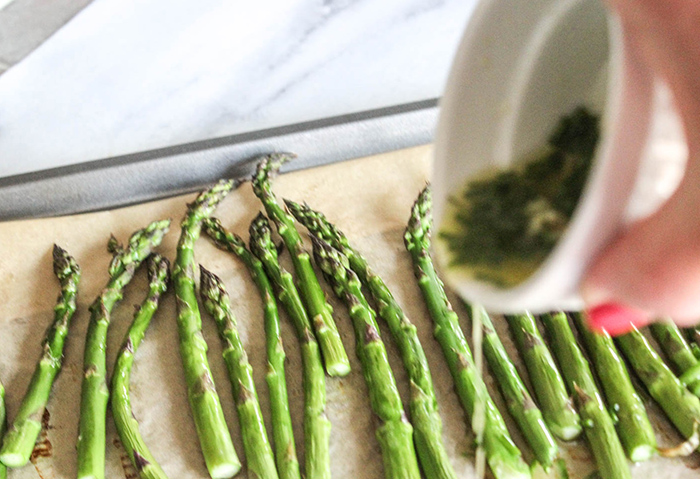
pixel 317 427
pixel 334 356
pixel 283 435
pixel 261 463
pixel 611 431
pixel 596 421
pixel 518 400
pixel 95 394
pixel 394 433
pixel 423 405
pixel 503 456
pixel 679 404
pixel 633 424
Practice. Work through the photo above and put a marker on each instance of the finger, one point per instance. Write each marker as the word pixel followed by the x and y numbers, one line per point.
pixel 654 267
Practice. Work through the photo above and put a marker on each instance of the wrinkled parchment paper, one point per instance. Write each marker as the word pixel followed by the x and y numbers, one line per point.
pixel 368 198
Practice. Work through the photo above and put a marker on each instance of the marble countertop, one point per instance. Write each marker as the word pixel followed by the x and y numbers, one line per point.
pixel 131 75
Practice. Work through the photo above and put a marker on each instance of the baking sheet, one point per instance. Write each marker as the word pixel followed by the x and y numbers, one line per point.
pixel 179 169
pixel 368 198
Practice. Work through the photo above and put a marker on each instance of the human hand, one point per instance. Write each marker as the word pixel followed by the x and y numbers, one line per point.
pixel 653 268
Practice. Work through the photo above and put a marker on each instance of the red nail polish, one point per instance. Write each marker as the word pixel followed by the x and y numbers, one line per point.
pixel 616 319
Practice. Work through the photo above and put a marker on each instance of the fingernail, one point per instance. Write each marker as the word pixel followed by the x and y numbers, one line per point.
pixel 616 319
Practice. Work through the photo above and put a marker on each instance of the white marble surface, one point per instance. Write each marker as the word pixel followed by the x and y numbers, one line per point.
pixel 130 75
pixel 4 3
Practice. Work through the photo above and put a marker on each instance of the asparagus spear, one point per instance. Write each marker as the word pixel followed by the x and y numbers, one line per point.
pixel 425 415
pixel 547 383
pixel 95 394
pixel 520 404
pixel 690 378
pixel 674 345
pixel 19 440
pixel 694 338
pixel 503 456
pixel 334 355
pixel 3 426
pixel 285 450
pixel 597 423
pixel 518 400
pixel 679 404
pixel 127 425
pixel 633 425
pixel 677 350
pixel 317 427
pixel 394 433
pixel 215 440
pixel 694 341
pixel 261 462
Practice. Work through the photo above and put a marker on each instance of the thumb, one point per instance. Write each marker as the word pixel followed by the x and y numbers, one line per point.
pixel 653 268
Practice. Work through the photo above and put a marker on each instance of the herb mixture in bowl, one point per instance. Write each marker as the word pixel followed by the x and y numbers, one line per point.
pixel 505 224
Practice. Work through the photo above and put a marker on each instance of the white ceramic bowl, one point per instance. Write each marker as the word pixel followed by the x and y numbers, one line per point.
pixel 521 66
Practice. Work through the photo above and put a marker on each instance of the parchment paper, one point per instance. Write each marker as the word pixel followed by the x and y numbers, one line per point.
pixel 369 199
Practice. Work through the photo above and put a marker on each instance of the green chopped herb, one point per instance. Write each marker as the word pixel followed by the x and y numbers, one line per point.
pixel 507 222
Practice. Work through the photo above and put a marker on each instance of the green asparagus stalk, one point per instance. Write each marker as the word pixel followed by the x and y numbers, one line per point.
pixel 633 424
pixel 127 425
pixel 694 341
pixel 19 440
pixel 502 455
pixel 520 404
pixel 425 415
pixel 693 335
pixel 317 427
pixel 690 378
pixel 679 404
pixel 518 400
pixel 559 471
pixel 395 433
pixel 677 350
pixel 285 450
pixel 3 426
pixel 545 378
pixel 214 437
pixel 597 423
pixel 260 461
pixel 334 355
pixel 95 393
pixel 673 345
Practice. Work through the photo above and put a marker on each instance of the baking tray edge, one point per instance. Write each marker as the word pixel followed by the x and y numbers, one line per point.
pixel 160 173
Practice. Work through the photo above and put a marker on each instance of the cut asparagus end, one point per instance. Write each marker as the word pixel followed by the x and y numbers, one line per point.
pixel 504 469
pixel 642 453
pixel 18 444
pixel 337 369
pixel 224 471
pixel 567 432
pixel 13 459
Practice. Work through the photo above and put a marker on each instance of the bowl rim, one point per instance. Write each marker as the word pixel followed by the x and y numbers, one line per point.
pixel 549 279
